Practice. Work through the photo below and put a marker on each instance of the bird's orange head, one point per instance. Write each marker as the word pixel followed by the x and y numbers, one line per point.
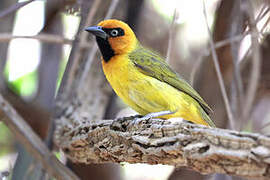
pixel 113 37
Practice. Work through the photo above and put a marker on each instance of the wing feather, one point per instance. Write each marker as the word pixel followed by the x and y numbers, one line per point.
pixel 153 65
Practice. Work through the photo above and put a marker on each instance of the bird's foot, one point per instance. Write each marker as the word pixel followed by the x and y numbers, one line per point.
pixel 149 116
pixel 179 120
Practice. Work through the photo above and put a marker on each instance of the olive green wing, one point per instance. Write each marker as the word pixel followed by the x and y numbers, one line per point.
pixel 153 65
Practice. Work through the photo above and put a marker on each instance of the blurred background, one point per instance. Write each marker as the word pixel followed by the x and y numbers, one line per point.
pixel 37 39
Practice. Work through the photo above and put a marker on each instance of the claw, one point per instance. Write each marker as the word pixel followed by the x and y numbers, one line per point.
pixel 137 121
pixel 149 116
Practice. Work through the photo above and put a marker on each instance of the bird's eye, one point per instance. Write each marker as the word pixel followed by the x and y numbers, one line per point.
pixel 114 33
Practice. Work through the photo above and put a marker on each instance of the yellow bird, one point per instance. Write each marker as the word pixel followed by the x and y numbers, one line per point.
pixel 142 79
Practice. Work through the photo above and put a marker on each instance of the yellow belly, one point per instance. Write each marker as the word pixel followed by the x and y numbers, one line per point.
pixel 145 94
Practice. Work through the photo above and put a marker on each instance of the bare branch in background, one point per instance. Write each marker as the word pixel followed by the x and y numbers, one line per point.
pixel 236 85
pixel 228 41
pixel 94 48
pixel 258 18
pixel 67 84
pixel 23 132
pixel 112 8
pixel 262 100
pixel 51 56
pixel 172 36
pixel 84 36
pixel 264 10
pixel 195 69
pixel 218 44
pixel 78 53
pixel 219 75
pixel 256 63
pixel 265 25
pixel 14 8
pixel 172 142
pixel 44 37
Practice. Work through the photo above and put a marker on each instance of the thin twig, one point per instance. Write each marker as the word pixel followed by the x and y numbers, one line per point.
pixel 262 10
pixel 256 63
pixel 265 9
pixel 91 14
pixel 112 8
pixel 207 52
pixel 261 32
pixel 44 37
pixel 84 35
pixel 240 37
pixel 14 7
pixel 265 125
pixel 265 24
pixel 26 136
pixel 171 35
pixel 93 51
pixel 77 53
pixel 227 41
pixel 259 17
pixel 195 68
pixel 236 90
pixel 219 75
pixel 88 64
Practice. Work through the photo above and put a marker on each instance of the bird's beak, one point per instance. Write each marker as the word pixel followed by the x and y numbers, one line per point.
pixel 97 31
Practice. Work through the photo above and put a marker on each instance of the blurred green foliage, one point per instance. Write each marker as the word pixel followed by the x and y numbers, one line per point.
pixel 25 85
pixel 62 67
pixel 6 140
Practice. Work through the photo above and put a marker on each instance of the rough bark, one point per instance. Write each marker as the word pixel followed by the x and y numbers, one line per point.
pixel 172 142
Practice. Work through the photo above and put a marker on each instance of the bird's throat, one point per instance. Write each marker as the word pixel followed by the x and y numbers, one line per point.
pixel 105 48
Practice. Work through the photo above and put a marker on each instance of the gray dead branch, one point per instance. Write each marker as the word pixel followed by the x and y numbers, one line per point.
pixel 171 142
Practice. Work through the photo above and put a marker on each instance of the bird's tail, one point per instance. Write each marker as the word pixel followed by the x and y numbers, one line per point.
pixel 208 120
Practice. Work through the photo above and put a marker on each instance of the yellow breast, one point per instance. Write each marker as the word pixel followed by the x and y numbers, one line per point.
pixel 145 94
pixel 117 73
pixel 122 75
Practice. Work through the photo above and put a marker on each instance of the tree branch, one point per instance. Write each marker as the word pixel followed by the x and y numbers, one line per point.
pixel 49 38
pixel 172 142
pixel 23 132
pixel 14 8
pixel 172 32
pixel 256 64
pixel 219 74
pixel 94 49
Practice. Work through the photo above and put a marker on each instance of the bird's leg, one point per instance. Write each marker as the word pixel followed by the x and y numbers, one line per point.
pixel 157 114
pixel 136 121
